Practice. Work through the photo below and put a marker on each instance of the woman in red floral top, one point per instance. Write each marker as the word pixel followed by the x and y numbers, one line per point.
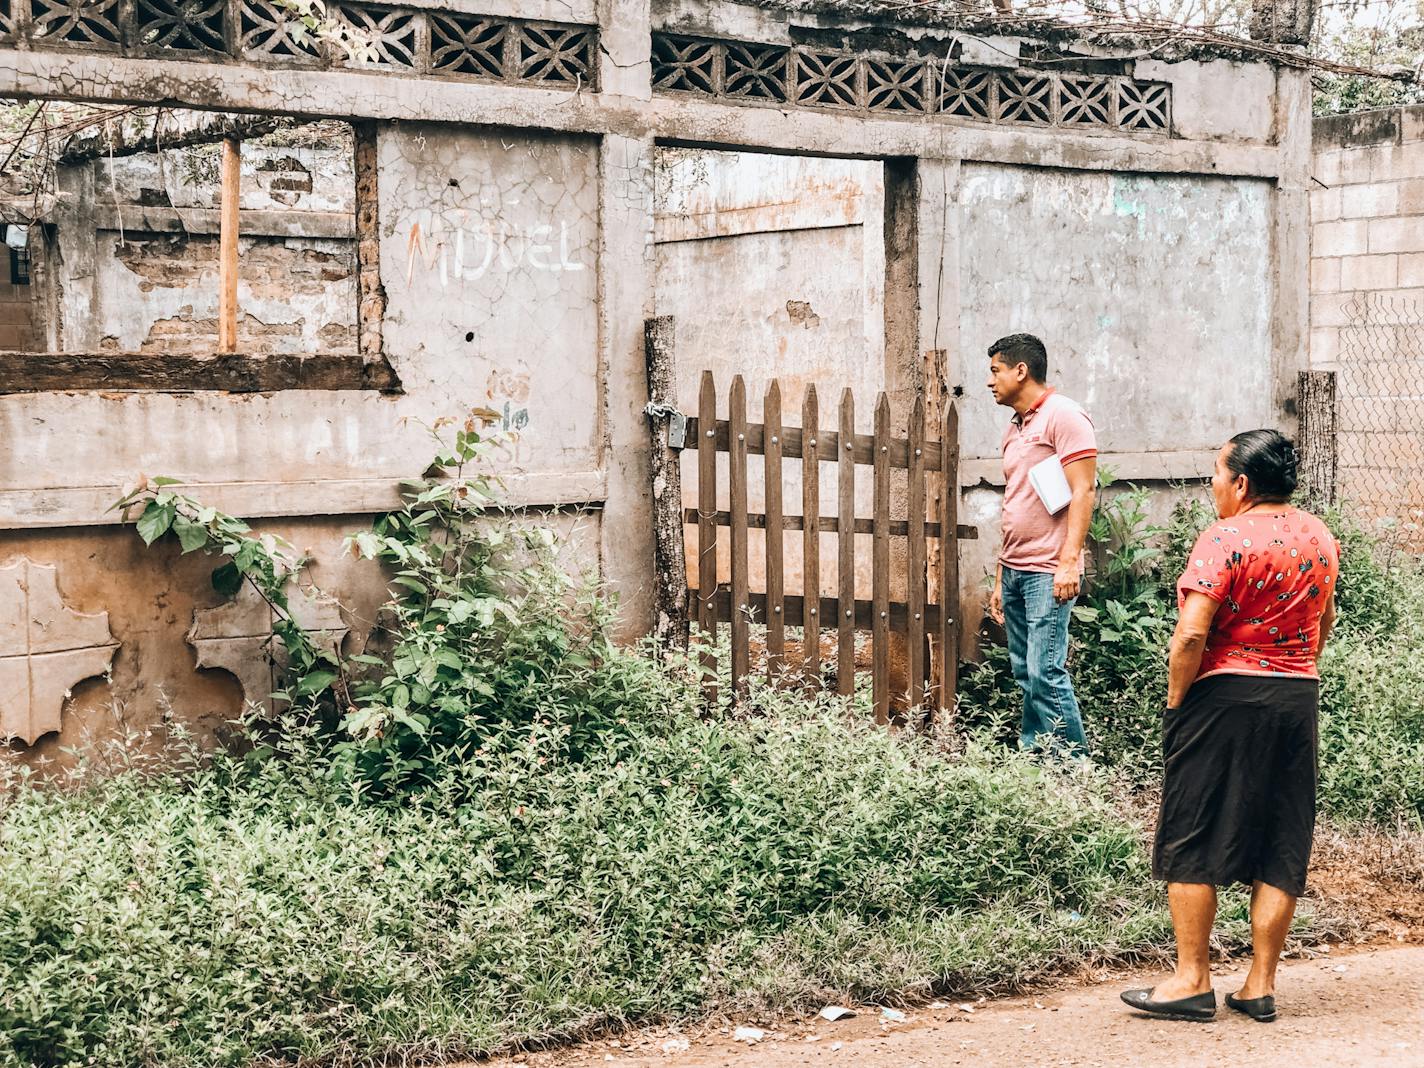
pixel 1256 604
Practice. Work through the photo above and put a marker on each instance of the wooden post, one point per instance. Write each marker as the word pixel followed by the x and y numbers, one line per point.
pixel 845 526
pixel 670 620
pixel 880 562
pixel 935 390
pixel 741 585
pixel 949 569
pixel 1318 459
pixel 227 245
pixel 775 532
pixel 811 538
pixel 915 594
pixel 707 534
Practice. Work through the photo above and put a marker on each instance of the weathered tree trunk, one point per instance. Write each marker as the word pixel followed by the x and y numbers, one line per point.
pixel 1316 405
pixel 670 622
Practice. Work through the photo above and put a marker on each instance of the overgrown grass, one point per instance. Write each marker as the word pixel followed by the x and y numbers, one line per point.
pixel 1372 673
pixel 506 831
pixel 253 910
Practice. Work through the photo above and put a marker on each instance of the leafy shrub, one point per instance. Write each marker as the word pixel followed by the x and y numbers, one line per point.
pixel 255 909
pixel 1118 642
pixel 1372 722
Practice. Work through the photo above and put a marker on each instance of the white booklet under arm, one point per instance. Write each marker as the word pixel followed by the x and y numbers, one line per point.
pixel 1051 484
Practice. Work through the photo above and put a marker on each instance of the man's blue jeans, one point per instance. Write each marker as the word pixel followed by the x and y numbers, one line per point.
pixel 1037 626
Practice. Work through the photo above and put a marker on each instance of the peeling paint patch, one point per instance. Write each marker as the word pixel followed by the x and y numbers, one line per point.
pixel 802 314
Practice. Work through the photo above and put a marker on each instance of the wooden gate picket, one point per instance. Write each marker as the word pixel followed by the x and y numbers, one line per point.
pixel 931 471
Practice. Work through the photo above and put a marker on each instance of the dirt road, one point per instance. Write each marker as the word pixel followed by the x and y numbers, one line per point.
pixel 1359 1010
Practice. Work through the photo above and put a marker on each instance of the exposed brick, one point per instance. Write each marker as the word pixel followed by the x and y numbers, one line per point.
pixel 1411 197
pixel 1359 164
pixel 13 313
pixel 1397 235
pixel 1325 275
pixel 1369 201
pixel 1326 167
pixel 1324 205
pixel 1332 309
pixel 1349 237
pixel 1393 162
pixel 1369 272
pixel 1324 346
pixel 1411 269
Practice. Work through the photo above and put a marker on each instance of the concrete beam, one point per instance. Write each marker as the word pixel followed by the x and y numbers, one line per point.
pixel 708 124
pixel 138 218
pixel 1290 242
pixel 625 302
pixel 1126 467
pixel 67 506
pixel 45 372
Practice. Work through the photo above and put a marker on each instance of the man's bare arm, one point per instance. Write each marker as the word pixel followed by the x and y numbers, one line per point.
pixel 1082 476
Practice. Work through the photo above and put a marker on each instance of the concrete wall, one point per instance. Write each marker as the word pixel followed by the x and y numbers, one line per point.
pixel 525 236
pixel 1367 308
pixel 1153 295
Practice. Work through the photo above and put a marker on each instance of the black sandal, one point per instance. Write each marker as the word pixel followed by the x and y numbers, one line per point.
pixel 1262 1010
pixel 1197 1007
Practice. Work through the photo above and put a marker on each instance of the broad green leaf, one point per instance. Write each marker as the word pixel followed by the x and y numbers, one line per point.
pixel 190 535
pixel 314 682
pixel 155 521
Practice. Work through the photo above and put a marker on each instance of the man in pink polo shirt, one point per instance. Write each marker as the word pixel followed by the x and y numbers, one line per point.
pixel 1041 562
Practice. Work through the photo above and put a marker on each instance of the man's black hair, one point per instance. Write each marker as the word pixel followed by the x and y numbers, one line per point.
pixel 1023 349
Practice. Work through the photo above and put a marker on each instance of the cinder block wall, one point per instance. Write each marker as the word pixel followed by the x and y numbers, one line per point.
pixel 1367 217
pixel 1367 304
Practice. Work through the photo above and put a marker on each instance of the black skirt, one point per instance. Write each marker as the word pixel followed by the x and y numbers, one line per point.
pixel 1238 788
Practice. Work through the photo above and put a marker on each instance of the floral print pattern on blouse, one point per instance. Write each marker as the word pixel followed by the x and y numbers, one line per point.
pixel 1273 574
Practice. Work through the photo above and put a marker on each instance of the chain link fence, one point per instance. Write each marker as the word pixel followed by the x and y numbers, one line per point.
pixel 1379 419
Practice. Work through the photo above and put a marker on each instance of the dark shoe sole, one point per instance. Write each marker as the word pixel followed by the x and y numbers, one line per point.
pixel 1199 1008
pixel 1262 1010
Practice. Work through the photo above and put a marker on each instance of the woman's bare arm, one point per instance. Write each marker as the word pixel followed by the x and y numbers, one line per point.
pixel 1327 624
pixel 1188 643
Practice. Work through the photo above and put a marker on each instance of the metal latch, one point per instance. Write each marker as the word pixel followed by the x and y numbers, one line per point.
pixel 677 423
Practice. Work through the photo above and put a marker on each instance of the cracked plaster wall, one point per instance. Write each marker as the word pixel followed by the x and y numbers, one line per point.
pixel 151 594
pixel 1152 294
pixel 489 259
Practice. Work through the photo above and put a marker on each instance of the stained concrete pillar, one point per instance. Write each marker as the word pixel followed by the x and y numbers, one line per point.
pixel 902 285
pixel 74 327
pixel 1290 241
pixel 625 52
pixel 625 291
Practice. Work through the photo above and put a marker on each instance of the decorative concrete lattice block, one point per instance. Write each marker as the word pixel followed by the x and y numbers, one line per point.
pixel 46 649
pixel 803 76
pixel 236 636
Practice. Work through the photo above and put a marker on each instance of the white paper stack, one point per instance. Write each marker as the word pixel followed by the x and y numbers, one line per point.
pixel 1051 484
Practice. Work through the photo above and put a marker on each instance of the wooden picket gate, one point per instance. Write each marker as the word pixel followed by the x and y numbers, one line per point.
pixel 931 465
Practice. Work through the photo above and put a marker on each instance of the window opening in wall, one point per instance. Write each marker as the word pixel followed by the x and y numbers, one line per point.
pixel 188 234
pixel 16 240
